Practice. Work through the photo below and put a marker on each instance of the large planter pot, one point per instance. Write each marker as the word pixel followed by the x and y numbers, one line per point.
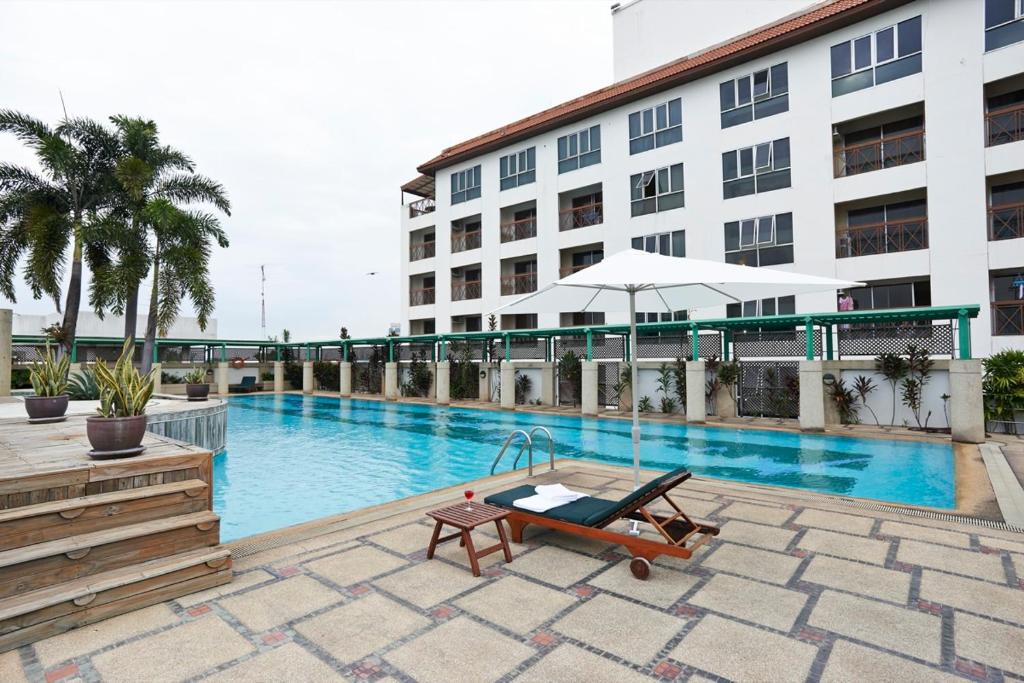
pixel 197 392
pixel 46 408
pixel 115 437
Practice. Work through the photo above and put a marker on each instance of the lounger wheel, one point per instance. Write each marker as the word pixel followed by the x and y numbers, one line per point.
pixel 641 568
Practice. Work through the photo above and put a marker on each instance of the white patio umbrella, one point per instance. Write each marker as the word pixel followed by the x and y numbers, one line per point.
pixel 663 283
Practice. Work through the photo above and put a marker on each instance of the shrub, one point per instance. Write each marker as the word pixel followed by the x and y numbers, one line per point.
pixel 1003 385
pixel 84 387
pixel 293 374
pixel 419 377
pixel 644 404
pixel 325 374
pixel 168 378
pixel 20 378
pixel 570 371
pixel 845 401
pixel 523 386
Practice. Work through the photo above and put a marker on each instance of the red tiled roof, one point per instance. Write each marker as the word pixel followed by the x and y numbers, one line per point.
pixel 816 21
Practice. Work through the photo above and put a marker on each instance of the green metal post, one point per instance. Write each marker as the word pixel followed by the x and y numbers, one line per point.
pixel 156 353
pixel 547 349
pixel 223 353
pixel 625 347
pixel 277 353
pixel 444 349
pixel 809 337
pixel 694 344
pixel 391 351
pixel 508 347
pixel 344 351
pixel 964 328
pixel 726 343
pixel 828 342
pixel 590 345
pixel 74 351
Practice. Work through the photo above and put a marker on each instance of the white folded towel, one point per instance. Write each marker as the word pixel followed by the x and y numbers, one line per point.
pixel 547 497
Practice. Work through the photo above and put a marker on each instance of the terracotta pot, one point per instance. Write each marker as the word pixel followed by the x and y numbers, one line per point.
pixel 110 434
pixel 197 392
pixel 46 407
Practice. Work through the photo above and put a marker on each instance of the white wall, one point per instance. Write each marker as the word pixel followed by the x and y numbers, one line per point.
pixel 90 325
pixel 881 400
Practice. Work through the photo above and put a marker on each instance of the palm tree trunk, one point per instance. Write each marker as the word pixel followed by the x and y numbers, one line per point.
pixel 154 299
pixel 74 298
pixel 131 311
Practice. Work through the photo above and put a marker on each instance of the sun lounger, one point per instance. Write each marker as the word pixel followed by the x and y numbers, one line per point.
pixel 588 517
pixel 247 386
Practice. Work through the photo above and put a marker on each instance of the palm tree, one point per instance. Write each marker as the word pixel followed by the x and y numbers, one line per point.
pixel 41 214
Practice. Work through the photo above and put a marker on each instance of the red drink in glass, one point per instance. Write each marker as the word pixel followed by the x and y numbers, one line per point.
pixel 469 497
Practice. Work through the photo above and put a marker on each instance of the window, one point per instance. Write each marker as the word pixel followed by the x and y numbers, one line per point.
pixel 783 305
pixel 1004 120
pixel 756 169
pixel 883 146
pixel 885 55
pixel 658 190
pixel 466 185
pixel 763 241
pixel 1004 23
pixel 656 127
pixel 584 318
pixel 663 317
pixel 896 295
pixel 755 96
pixel 579 149
pixel 1006 211
pixel 666 243
pixel 884 229
pixel 517 169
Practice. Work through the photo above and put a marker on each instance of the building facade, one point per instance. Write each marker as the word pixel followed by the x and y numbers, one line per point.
pixel 880 141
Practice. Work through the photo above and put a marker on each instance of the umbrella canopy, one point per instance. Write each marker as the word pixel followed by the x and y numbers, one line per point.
pixel 669 283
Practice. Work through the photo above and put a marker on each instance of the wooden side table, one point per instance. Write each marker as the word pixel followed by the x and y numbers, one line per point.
pixel 465 521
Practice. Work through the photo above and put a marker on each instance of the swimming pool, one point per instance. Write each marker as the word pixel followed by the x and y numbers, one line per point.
pixel 291 458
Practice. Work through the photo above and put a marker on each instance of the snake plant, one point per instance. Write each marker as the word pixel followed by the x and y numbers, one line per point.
pixel 48 375
pixel 197 376
pixel 123 391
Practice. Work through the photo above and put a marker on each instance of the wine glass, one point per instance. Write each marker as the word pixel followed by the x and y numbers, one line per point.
pixel 468 493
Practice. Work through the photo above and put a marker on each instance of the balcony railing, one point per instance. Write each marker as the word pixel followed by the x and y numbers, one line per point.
pixel 882 238
pixel 462 291
pixel 878 154
pixel 422 206
pixel 1007 318
pixel 569 270
pixel 523 283
pixel 1006 222
pixel 581 216
pixel 1004 125
pixel 522 229
pixel 421 251
pixel 421 297
pixel 464 241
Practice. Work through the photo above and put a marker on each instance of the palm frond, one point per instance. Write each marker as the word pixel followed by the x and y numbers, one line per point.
pixel 191 189
pixel 29 130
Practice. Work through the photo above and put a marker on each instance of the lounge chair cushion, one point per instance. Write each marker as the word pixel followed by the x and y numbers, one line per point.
pixel 576 512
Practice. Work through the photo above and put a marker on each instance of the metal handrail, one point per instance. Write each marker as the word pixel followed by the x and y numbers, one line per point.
pixel 551 450
pixel 504 447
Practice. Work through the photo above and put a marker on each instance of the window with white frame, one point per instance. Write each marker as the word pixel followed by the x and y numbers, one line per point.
pixel 761 241
pixel 466 184
pixel 783 305
pixel 664 243
pixel 656 127
pixel 756 169
pixel 579 149
pixel 518 169
pixel 662 317
pixel 658 190
pixel 1004 23
pixel 755 96
pixel 885 55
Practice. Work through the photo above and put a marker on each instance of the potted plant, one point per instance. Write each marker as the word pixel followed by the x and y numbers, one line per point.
pixel 49 378
pixel 196 386
pixel 117 430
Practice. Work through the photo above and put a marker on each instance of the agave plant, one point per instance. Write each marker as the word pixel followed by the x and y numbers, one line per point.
pixel 123 391
pixel 84 387
pixel 49 376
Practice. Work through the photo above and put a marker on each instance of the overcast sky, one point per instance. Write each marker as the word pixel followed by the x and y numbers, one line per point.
pixel 310 114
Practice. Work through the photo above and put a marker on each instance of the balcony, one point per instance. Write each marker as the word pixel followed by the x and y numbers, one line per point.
pixel 523 283
pixel 569 270
pixel 422 296
pixel 1007 318
pixel 1004 125
pixel 518 230
pixel 897 150
pixel 422 206
pixel 581 216
pixel 882 238
pixel 463 291
pixel 464 241
pixel 418 252
pixel 1006 222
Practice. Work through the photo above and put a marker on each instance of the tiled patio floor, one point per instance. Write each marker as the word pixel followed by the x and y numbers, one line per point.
pixel 796 588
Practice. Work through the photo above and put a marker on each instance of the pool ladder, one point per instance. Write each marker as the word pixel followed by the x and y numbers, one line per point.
pixel 528 447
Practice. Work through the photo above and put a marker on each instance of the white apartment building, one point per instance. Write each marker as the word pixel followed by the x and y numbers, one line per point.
pixel 880 141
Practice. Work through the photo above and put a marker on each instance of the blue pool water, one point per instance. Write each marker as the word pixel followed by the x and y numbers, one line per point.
pixel 291 459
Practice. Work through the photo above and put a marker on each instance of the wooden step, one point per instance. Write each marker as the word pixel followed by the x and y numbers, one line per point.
pixel 48 611
pixel 42 522
pixel 45 564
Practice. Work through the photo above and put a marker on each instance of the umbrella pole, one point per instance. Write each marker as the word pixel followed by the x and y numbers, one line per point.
pixel 635 396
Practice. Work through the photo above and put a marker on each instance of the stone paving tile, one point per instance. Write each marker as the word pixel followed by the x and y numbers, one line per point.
pixel 586 480
pixel 361 627
pixel 173 655
pixel 622 628
pixel 888 626
pixel 851 662
pixel 694 507
pixel 757 564
pixel 969 562
pixel 662 589
pixel 761 514
pixel 751 600
pixel 279 602
pixel 83 640
pixel 10 668
pixel 429 582
pixel 240 582
pixel 845 545
pixel 984 641
pixel 286 663
pixel 856 577
pixel 570 663
pixel 1002 543
pixel 355 566
pixel 744 653
pixel 555 566
pixel 923 533
pixel 975 596
pixel 760 535
pixel 835 521
pixel 405 539
pixel 518 605
pixel 579 544
pixel 459 649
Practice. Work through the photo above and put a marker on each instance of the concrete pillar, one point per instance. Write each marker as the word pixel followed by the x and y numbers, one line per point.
pixel 222 378
pixel 508 386
pixel 158 385
pixel 696 399
pixel 967 420
pixel 547 384
pixel 831 410
pixel 626 397
pixel 812 396
pixel 307 377
pixel 6 323
pixel 442 382
pixel 484 388
pixel 588 398
pixel 391 381
pixel 278 376
pixel 345 378
pixel 725 402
